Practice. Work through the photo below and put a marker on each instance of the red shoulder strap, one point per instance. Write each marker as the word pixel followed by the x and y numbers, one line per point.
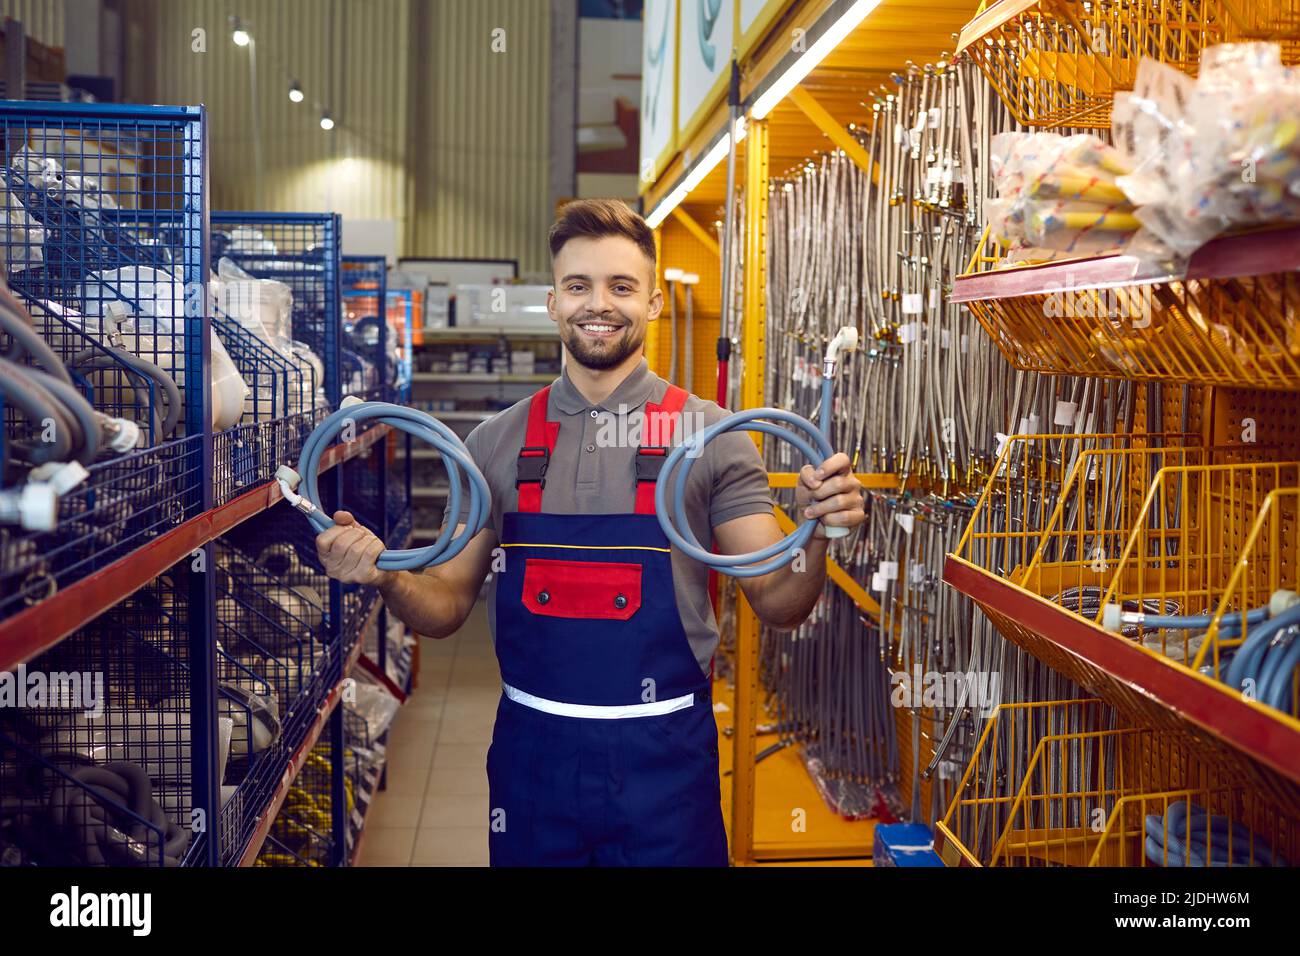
pixel 656 440
pixel 535 455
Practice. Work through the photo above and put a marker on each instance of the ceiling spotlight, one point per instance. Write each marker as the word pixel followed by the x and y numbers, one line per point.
pixel 238 33
pixel 295 92
pixel 326 121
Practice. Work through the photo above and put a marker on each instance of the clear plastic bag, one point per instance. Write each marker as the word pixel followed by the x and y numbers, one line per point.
pixel 1213 154
pixel 1058 193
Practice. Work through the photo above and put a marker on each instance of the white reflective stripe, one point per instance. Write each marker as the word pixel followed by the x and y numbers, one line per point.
pixel 651 709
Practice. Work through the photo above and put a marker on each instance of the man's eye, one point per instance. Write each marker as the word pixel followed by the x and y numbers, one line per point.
pixel 576 287
pixel 622 288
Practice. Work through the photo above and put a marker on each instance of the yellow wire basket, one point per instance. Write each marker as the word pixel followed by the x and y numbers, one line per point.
pixel 1149 525
pixel 1059 63
pixel 1061 783
pixel 1118 318
pixel 1265 565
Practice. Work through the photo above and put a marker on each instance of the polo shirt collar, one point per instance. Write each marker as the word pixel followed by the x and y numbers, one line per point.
pixel 632 392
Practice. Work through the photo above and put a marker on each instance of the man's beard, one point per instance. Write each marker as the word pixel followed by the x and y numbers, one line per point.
pixel 599 356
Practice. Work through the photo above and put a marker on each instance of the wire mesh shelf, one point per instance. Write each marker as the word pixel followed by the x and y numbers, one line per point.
pixel 102 221
pixel 376 360
pixel 1065 783
pixel 1229 320
pixel 1152 528
pixel 1059 63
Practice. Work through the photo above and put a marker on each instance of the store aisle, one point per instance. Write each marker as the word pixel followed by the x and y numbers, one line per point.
pixel 434 809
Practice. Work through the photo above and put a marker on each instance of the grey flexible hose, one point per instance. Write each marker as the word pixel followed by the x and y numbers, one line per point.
pixel 89 358
pixel 101 834
pixel 83 413
pixel 38 405
pixel 27 342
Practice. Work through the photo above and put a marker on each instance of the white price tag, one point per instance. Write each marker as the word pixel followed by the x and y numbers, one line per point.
pixel 921 119
pixel 905 522
pixel 918 572
pixel 945 339
pixel 936 115
pixel 889 570
pixel 898 133
pixel 912 303
pixel 877 582
pixel 936 299
pixel 908 332
pixel 1065 413
pixel 1024 428
pixel 932 175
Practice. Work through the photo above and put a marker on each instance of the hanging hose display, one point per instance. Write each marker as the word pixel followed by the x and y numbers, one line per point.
pixel 816 448
pixel 428 429
pixel 930 403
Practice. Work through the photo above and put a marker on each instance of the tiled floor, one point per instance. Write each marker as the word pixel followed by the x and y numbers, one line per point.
pixel 434 811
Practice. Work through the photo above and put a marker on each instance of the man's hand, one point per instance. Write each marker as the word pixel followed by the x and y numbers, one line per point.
pixel 349 552
pixel 831 493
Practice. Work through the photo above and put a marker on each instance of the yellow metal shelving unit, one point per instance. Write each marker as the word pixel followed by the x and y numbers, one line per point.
pixel 812 118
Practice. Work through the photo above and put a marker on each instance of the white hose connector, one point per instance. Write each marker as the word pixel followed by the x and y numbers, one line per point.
pixel 35 506
pixel 1282 600
pixel 289 481
pixel 62 476
pixel 846 340
pixel 1113 618
pixel 121 434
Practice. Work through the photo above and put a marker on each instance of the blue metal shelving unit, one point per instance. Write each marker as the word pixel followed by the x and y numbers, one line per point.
pixel 221 647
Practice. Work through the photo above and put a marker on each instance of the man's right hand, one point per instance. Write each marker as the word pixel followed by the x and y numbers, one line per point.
pixel 349 552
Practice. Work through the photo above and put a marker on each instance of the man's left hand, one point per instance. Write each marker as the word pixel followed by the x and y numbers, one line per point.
pixel 831 493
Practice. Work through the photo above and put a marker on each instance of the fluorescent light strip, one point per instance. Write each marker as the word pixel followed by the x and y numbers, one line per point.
pixel 693 179
pixel 814 55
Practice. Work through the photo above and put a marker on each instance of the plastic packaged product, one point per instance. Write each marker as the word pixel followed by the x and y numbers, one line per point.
pixel 1059 194
pixel 149 307
pixel 262 306
pixel 1217 153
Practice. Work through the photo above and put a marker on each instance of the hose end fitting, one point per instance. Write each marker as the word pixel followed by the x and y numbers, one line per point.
pixel 1280 601
pixel 62 476
pixel 289 481
pixel 350 400
pixel 35 507
pixel 1112 617
pixel 121 435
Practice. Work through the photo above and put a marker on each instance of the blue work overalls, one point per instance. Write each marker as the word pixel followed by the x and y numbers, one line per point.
pixel 605 750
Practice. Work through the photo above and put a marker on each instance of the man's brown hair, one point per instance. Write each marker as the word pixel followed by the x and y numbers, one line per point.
pixel 596 218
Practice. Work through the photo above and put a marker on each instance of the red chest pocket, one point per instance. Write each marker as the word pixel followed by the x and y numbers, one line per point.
pixel 582 589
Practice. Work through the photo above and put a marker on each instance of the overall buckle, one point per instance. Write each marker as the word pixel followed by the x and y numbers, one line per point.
pixel 531 464
pixel 650 461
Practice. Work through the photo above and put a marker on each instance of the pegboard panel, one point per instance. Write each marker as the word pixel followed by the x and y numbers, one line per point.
pixel 1171 406
pixel 680 248
pixel 1272 419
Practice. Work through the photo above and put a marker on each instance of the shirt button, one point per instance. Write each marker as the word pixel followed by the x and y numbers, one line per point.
pixel 595 414
pixel 591 448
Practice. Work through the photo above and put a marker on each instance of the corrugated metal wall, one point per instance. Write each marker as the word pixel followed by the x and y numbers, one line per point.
pixel 42 19
pixel 480 167
pixel 435 130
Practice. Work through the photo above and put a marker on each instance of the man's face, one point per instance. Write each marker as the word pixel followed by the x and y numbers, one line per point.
pixel 603 300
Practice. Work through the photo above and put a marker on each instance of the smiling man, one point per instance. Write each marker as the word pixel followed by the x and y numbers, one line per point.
pixel 605 750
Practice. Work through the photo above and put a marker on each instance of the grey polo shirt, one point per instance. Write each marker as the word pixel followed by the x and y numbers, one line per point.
pixel 592 471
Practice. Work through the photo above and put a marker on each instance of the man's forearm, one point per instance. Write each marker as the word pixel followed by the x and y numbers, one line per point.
pixel 422 602
pixel 785 597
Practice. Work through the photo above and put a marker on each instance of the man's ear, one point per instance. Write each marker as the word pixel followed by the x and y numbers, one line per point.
pixel 656 304
pixel 550 304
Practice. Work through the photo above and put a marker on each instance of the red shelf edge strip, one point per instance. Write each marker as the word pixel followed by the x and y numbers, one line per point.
pixel 1214 708
pixel 38 628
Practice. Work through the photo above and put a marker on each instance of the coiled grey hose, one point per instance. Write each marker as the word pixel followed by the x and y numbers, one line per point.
pixel 39 406
pixel 419 425
pixel 101 833
pixel 91 359
pixel 816 449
